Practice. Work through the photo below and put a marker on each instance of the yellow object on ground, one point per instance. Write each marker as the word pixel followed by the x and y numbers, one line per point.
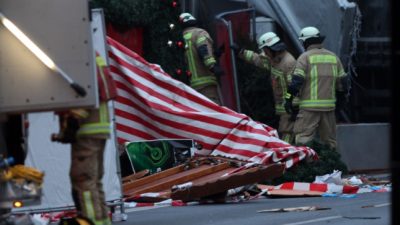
pixel 27 173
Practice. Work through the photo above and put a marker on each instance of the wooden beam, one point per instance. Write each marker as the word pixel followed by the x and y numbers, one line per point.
pixel 181 178
pixel 221 184
pixel 163 174
pixel 135 176
pixel 153 177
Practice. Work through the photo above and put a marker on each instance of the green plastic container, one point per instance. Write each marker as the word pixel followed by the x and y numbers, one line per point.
pixel 158 155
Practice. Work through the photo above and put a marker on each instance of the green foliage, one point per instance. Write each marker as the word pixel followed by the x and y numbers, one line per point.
pixel 329 160
pixel 154 16
pixel 131 13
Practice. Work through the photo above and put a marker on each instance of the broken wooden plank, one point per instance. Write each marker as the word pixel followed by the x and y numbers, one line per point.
pixel 156 176
pixel 218 184
pixel 150 197
pixel 163 174
pixel 177 178
pixel 135 176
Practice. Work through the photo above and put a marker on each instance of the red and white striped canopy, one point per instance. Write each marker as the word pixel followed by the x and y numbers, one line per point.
pixel 152 105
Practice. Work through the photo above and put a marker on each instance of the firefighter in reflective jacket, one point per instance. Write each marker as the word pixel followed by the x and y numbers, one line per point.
pixel 319 80
pixel 199 57
pixel 88 145
pixel 280 63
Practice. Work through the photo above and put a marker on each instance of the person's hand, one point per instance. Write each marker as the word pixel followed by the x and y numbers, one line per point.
pixel 219 51
pixel 236 48
pixel 217 70
pixel 293 115
pixel 288 103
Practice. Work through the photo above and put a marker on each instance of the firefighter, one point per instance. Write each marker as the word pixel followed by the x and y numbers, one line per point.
pixel 279 63
pixel 319 80
pixel 199 56
pixel 88 130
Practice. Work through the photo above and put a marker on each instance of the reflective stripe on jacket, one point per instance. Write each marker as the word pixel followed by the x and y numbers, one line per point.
pixel 97 123
pixel 106 85
pixel 201 75
pixel 322 71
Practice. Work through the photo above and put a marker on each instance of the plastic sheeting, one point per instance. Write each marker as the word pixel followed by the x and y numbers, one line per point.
pixel 54 159
pixel 336 19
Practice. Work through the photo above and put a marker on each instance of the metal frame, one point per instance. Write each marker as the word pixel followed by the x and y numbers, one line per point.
pixel 228 24
pixel 111 107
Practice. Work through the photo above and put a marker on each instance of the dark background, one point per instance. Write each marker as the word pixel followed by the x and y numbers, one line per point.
pixel 395 81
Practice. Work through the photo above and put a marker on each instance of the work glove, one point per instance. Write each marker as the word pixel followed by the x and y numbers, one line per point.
pixel 236 48
pixel 219 51
pixel 288 103
pixel 217 70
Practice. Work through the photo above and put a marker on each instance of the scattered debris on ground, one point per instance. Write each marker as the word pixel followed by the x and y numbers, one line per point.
pixel 295 209
pixel 376 206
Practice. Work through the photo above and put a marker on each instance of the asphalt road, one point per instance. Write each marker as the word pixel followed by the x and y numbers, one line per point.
pixel 343 211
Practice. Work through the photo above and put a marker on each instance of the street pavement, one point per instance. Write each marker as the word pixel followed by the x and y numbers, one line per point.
pixel 351 211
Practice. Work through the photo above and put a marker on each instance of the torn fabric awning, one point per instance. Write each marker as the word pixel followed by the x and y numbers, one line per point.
pixel 152 105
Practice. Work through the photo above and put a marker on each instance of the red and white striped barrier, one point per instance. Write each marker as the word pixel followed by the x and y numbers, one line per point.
pixel 326 188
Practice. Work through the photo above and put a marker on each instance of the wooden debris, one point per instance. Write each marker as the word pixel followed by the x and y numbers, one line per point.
pixel 199 178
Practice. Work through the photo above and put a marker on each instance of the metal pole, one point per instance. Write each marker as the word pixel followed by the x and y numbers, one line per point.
pixel 221 15
pixel 118 162
pixel 194 8
pixel 253 15
pixel 234 71
pixel 111 107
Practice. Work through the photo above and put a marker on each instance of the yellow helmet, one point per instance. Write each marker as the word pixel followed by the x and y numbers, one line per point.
pixel 268 40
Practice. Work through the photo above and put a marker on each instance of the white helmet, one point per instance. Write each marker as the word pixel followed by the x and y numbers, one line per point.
pixel 267 40
pixel 185 17
pixel 308 32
